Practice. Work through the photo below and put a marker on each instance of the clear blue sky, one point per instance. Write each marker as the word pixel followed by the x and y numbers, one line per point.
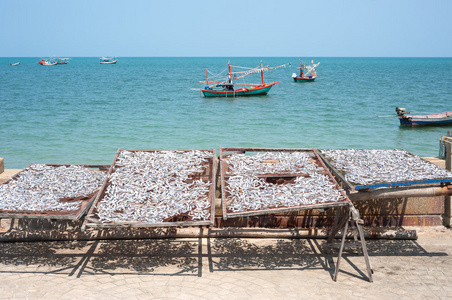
pixel 315 28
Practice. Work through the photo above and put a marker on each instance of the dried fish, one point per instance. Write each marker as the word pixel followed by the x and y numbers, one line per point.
pixel 41 187
pixel 372 166
pixel 271 163
pixel 247 191
pixel 151 186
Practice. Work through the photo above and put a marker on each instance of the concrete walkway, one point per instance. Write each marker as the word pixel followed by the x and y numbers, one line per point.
pixel 8 173
pixel 229 268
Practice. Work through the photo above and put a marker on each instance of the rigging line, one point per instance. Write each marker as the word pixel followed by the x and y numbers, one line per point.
pixel 255 70
pixel 244 67
pixel 249 70
pixel 218 77
pixel 219 74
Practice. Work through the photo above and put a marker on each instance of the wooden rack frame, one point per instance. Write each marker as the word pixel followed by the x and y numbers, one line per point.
pixel 92 221
pixel 341 221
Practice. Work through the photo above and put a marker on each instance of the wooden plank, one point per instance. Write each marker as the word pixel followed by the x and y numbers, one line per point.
pixel 336 172
pixel 286 209
pixel 133 224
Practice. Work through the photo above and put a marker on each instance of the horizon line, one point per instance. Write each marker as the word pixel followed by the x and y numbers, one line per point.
pixel 230 56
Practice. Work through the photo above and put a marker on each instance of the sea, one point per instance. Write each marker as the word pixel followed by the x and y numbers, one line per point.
pixel 83 112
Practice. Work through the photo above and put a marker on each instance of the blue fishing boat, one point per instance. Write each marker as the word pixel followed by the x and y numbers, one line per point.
pixel 410 119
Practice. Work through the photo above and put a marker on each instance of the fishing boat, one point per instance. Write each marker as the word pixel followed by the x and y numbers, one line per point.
pixel 48 62
pixel 225 85
pixel 62 61
pixel 411 119
pixel 307 72
pixel 108 60
pixel 14 64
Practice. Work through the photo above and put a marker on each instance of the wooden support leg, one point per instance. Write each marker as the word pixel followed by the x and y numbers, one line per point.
pixel 339 223
pixel 355 231
pixel 370 271
pixel 352 216
pixel 341 248
pixel 335 225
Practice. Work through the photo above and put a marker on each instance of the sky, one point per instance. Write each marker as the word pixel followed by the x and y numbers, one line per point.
pixel 232 28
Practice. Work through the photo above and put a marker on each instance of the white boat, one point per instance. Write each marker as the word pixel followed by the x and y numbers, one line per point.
pixel 14 64
pixel 108 60
pixel 307 73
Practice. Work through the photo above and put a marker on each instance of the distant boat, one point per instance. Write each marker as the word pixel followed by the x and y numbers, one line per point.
pixel 62 61
pixel 307 73
pixel 108 60
pixel 48 62
pixel 14 64
pixel 225 85
pixel 409 119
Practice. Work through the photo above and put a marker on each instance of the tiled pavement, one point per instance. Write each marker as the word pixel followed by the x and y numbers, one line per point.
pixel 230 268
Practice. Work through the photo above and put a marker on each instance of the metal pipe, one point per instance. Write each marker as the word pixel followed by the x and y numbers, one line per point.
pixel 143 233
pixel 401 193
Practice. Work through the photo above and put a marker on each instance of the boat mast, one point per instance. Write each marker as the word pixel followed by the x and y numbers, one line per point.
pixel 207 77
pixel 230 73
pixel 262 75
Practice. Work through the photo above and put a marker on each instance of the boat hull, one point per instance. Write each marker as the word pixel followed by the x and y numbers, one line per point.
pixel 415 122
pixel 109 62
pixel 250 91
pixel 47 64
pixel 425 120
pixel 304 79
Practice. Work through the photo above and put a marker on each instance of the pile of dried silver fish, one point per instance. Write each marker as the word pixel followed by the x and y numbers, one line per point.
pixel 366 167
pixel 41 188
pixel 150 187
pixel 250 192
pixel 271 163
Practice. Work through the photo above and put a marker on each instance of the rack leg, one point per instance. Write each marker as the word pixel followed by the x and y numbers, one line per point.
pixel 339 223
pixel 335 225
pixel 342 247
pixel 364 246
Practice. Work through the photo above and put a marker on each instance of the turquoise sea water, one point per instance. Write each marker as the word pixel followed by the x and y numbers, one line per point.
pixel 83 112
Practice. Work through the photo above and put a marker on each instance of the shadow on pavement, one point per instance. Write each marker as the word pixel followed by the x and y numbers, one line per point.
pixel 185 256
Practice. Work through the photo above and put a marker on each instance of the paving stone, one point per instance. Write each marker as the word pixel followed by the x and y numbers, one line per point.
pixel 403 270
